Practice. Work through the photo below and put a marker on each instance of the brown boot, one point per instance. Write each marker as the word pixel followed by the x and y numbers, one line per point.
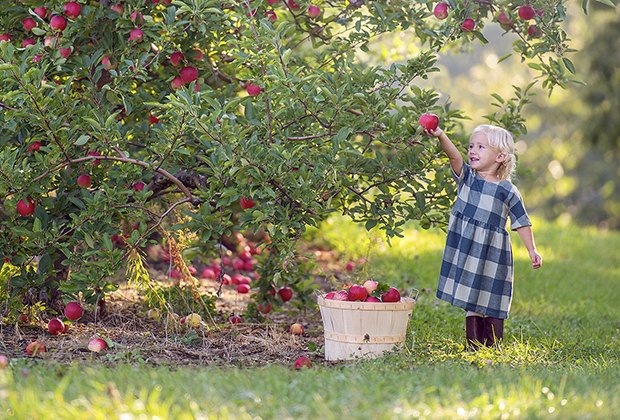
pixel 493 330
pixel 474 332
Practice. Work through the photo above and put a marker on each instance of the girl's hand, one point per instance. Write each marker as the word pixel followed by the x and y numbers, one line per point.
pixel 536 259
pixel 433 133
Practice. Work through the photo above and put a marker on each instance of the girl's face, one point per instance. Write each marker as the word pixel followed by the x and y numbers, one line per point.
pixel 482 157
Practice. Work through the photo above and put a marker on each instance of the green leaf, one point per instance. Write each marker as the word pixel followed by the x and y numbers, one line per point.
pixel 89 240
pixel 82 140
pixel 585 4
pixel 370 224
pixel 569 65
pixel 607 2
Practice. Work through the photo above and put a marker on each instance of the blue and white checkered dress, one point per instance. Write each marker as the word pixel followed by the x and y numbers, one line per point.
pixel 477 268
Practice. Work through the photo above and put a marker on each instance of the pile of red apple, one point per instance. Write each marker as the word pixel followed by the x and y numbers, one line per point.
pixel 370 291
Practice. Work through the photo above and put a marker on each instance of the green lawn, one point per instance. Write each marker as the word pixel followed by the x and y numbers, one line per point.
pixel 560 356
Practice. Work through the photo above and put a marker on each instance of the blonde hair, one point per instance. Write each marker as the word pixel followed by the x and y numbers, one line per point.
pixel 500 139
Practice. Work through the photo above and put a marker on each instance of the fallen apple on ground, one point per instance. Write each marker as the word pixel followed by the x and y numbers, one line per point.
pixel 97 344
pixel 296 329
pixel 73 311
pixel 235 319
pixel 193 320
pixel 303 362
pixel 55 326
pixel 34 348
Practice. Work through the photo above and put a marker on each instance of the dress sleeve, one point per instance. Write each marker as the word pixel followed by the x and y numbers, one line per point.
pixel 465 173
pixel 516 210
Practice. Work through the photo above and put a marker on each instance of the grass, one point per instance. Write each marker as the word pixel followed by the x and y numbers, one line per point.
pixel 560 356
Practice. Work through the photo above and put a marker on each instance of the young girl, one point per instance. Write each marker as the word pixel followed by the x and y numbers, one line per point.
pixel 477 268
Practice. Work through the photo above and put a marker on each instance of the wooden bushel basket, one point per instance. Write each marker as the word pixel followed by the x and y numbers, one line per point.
pixel 363 329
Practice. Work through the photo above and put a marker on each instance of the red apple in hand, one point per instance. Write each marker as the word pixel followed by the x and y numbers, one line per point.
pixel 429 121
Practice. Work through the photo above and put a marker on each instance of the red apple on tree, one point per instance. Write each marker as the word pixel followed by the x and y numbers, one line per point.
pixel 28 41
pixel 468 25
pixel 314 11
pixel 25 208
pixel 176 83
pixel 504 19
pixel 65 52
pixel 84 181
pixel 118 8
pixel 58 23
pixel 176 57
pixel 41 12
pixel 29 23
pixel 264 307
pixel 253 90
pixel 286 293
pixel 188 74
pixel 246 203
pixel 243 288
pixel 429 121
pixel 136 35
pixel 293 5
pixel 441 10
pixel 72 9
pixel 526 12
pixel 534 31
pixel 271 15
pixel 5 37
pixel 34 146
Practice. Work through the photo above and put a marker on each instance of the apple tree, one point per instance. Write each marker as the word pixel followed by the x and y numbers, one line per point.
pixel 122 119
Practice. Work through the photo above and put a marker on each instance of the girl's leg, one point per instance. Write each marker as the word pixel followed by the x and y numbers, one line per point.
pixel 474 330
pixel 493 330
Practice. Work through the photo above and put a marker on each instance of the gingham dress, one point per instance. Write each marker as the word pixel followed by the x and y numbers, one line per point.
pixel 477 267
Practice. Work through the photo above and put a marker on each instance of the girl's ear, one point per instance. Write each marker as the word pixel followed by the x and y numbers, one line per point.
pixel 500 158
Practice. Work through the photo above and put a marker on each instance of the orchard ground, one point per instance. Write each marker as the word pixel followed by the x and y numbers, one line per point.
pixel 136 336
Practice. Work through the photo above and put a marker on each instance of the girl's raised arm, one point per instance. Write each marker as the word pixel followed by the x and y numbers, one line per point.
pixel 456 159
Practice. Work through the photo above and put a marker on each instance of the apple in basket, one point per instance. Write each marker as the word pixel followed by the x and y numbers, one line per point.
pixel 372 299
pixel 357 293
pixel 339 295
pixel 392 295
